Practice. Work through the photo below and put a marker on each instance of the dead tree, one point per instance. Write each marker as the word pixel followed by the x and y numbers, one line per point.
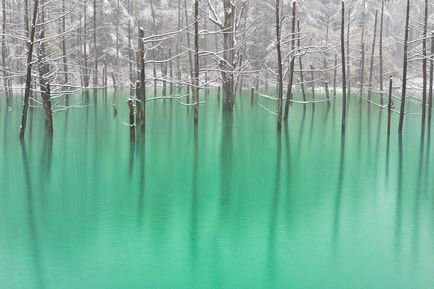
pixel 335 73
pixel 312 81
pixel 5 70
pixel 344 76
pixel 141 100
pixel 424 62
pixel 279 68
pixel 227 65
pixel 43 68
pixel 431 77
pixel 381 51
pixel 64 58
pixel 95 47
pixel 300 62
pixel 362 52
pixel 196 62
pixel 190 57
pixel 371 68
pixel 348 53
pixel 291 65
pixel 29 69
pixel 404 70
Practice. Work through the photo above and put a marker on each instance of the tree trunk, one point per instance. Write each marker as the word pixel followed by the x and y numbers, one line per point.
pixel 424 62
pixel 404 72
pixel 344 76
pixel 431 77
pixel 64 59
pixel 95 47
pixel 381 51
pixel 190 56
pixel 389 106
pixel 335 74
pixel 4 66
pixel 196 62
pixel 312 81
pixel 279 68
pixel 371 68
pixel 142 90
pixel 131 117
pixel 348 53
pixel 300 62
pixel 227 65
pixel 29 70
pixel 362 56
pixel 291 65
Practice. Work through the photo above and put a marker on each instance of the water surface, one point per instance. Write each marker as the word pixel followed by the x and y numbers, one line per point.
pixel 231 205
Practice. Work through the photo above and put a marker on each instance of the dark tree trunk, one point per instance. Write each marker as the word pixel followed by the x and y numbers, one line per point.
pixel 279 68
pixel 348 54
pixel 86 69
pixel 381 51
pixel 95 47
pixel 64 58
pixel 312 81
pixel 389 106
pixel 29 70
pixel 227 65
pixel 131 116
pixel 404 72
pixel 335 74
pixel 371 68
pixel 300 62
pixel 190 56
pixel 291 65
pixel 424 62
pixel 196 62
pixel 4 66
pixel 142 87
pixel 344 76
pixel 431 77
pixel 362 56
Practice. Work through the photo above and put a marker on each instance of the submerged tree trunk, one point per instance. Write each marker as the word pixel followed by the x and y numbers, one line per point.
pixel 131 117
pixel 404 72
pixel 29 70
pixel 344 76
pixel 389 106
pixel 227 65
pixel 279 68
pixel 371 68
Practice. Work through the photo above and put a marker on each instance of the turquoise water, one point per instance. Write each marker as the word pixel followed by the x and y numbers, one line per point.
pixel 232 205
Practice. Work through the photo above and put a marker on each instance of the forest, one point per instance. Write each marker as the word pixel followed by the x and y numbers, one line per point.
pixel 54 49
pixel 216 144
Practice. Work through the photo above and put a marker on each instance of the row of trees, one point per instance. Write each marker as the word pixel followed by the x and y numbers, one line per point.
pixel 179 47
